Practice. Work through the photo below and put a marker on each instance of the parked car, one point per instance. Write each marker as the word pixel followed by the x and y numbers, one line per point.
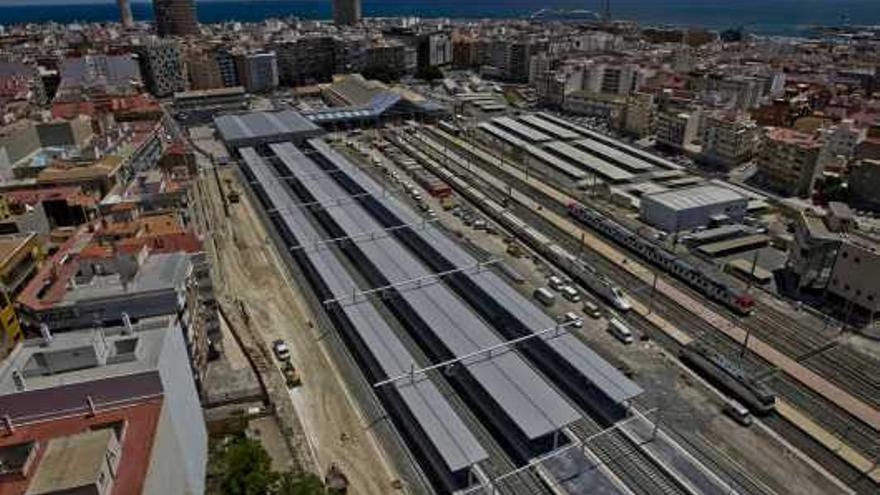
pixel 591 309
pixel 573 318
pixel 282 352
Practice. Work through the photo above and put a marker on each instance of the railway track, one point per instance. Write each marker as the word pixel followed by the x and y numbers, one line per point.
pixel 827 414
pixel 617 451
pixel 625 459
pixel 836 363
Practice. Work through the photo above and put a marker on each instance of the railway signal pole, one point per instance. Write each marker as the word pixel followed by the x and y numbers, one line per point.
pixel 653 293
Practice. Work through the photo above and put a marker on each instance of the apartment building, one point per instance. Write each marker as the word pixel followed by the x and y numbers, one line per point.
pixel 789 161
pixel 107 410
pixel 730 139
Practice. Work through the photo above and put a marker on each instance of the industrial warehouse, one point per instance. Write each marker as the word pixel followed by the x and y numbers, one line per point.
pixel 408 301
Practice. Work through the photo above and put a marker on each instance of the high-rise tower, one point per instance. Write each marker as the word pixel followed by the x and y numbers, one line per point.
pixel 125 13
pixel 346 12
pixel 175 17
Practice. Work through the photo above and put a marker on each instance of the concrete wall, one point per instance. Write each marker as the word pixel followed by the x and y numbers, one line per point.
pixel 167 472
pixel 671 220
pixel 185 411
pixel 855 275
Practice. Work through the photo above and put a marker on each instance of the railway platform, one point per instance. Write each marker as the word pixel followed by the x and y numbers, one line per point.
pixel 849 455
pixel 668 453
pixel 805 376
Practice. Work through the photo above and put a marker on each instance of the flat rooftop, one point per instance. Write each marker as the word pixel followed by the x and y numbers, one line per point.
pixel 695 197
pixel 209 93
pixel 719 248
pixel 85 355
pixel 72 462
pixel 252 128
pixel 11 245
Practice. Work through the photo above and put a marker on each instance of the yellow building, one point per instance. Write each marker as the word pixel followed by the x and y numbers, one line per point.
pixel 19 256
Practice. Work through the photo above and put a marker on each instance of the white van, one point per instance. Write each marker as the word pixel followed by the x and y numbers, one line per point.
pixel 546 297
pixel 620 331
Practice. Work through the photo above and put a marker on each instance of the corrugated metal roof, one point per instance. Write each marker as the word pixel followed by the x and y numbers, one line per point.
pixel 629 162
pixel 524 131
pixel 597 165
pixel 535 407
pixel 550 128
pixel 263 125
pixel 550 160
pixel 457 445
pixel 632 150
pixel 595 369
pixel 694 197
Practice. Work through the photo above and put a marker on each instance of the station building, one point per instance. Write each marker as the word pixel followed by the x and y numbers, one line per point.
pixel 692 207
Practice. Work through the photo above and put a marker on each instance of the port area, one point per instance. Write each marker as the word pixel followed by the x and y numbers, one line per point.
pixel 751 460
pixel 328 428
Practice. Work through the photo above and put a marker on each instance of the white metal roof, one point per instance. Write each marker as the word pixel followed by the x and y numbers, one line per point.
pixel 586 160
pixel 535 407
pixel 448 433
pixel 529 133
pixel 695 197
pixel 595 369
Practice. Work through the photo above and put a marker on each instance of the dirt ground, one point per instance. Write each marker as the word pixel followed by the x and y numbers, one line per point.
pixel 249 270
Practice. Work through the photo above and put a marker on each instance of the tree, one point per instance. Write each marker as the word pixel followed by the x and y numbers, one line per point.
pixel 307 484
pixel 429 73
pixel 382 72
pixel 246 468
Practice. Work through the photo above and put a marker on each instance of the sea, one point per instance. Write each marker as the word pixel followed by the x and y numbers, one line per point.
pixel 763 17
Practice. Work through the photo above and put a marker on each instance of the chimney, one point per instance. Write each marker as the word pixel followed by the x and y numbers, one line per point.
pixel 126 321
pixel 10 426
pixel 46 334
pixel 18 379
